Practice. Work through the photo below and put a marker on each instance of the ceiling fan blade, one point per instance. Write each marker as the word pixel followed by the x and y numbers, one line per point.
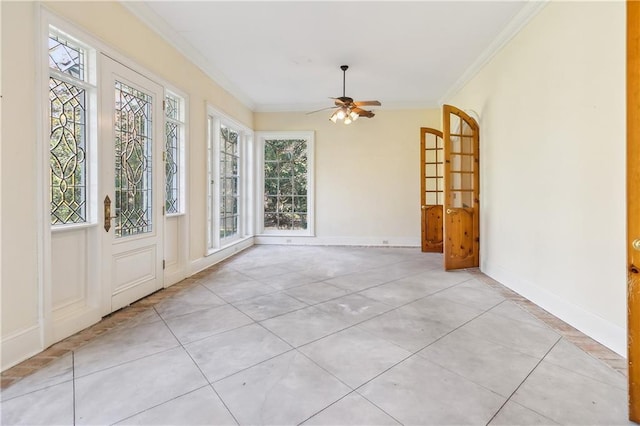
pixel 367 103
pixel 321 109
pixel 363 112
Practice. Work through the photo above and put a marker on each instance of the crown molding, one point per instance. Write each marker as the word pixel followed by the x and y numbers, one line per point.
pixel 144 13
pixel 175 39
pixel 519 21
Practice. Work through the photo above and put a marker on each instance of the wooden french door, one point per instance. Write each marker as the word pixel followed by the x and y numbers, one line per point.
pixel 461 187
pixel 633 206
pixel 131 185
pixel 432 188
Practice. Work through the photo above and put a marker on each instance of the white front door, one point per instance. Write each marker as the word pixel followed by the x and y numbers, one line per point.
pixel 132 179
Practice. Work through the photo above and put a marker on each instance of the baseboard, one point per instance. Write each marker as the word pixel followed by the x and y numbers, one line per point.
pixel 174 277
pixel 339 241
pixel 19 346
pixel 68 322
pixel 610 335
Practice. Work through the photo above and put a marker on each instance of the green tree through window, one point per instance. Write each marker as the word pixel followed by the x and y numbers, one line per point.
pixel 285 184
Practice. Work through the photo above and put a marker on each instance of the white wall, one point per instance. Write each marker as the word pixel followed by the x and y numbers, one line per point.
pixel 367 174
pixel 552 108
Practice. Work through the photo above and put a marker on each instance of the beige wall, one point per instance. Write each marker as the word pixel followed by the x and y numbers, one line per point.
pixel 18 180
pixel 367 176
pixel 552 108
pixel 21 244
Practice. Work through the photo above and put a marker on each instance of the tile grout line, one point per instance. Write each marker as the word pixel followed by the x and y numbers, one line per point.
pixel 204 376
pixel 522 382
pixel 191 281
pixel 571 334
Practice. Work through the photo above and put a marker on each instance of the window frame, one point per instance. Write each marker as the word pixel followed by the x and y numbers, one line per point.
pixel 183 123
pixel 216 119
pixel 90 85
pixel 261 137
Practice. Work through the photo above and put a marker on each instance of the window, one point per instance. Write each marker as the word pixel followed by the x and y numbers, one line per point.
pixel 228 180
pixel 174 107
pixel 71 106
pixel 287 190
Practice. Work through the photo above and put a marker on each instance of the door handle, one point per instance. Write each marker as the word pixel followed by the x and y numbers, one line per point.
pixel 636 244
pixel 449 211
pixel 107 213
pixel 424 207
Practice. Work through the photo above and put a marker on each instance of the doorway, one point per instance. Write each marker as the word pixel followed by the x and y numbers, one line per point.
pixel 450 182
pixel 131 182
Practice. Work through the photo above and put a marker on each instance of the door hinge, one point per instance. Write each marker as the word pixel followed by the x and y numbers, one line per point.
pixel 163 264
pixel 164 105
pixel 164 156
pixel 164 210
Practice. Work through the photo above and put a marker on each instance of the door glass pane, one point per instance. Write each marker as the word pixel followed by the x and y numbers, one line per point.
pixel 454 125
pixel 430 170
pixel 133 161
pixel 466 129
pixel 455 144
pixel 456 162
pixel 467 163
pixel 467 144
pixel 430 141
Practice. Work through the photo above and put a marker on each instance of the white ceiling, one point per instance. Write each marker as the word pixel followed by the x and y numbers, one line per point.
pixel 286 56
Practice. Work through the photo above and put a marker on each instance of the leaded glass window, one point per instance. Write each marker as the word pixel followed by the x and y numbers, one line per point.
pixel 229 179
pixel 174 133
pixel 67 152
pixel 68 147
pixel 133 160
pixel 285 184
pixel 66 58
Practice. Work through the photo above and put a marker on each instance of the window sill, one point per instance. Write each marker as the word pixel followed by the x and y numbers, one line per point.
pixel 229 245
pixel 70 228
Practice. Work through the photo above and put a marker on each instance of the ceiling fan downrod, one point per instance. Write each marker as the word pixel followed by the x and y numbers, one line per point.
pixel 344 69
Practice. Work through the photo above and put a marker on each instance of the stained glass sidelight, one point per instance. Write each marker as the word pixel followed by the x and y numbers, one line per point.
pixel 285 184
pixel 133 161
pixel 67 152
pixel 229 162
pixel 173 130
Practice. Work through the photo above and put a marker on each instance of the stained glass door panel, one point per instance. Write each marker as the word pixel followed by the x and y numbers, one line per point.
pixel 132 177
pixel 133 161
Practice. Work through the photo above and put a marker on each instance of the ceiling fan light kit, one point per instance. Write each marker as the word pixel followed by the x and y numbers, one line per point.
pixel 347 110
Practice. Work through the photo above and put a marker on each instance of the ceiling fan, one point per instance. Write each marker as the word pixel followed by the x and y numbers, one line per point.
pixel 346 108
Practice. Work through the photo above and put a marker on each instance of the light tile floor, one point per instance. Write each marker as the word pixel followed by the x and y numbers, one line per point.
pixel 325 336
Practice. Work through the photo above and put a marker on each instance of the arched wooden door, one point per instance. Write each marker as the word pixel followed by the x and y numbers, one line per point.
pixel 461 187
pixel 432 187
